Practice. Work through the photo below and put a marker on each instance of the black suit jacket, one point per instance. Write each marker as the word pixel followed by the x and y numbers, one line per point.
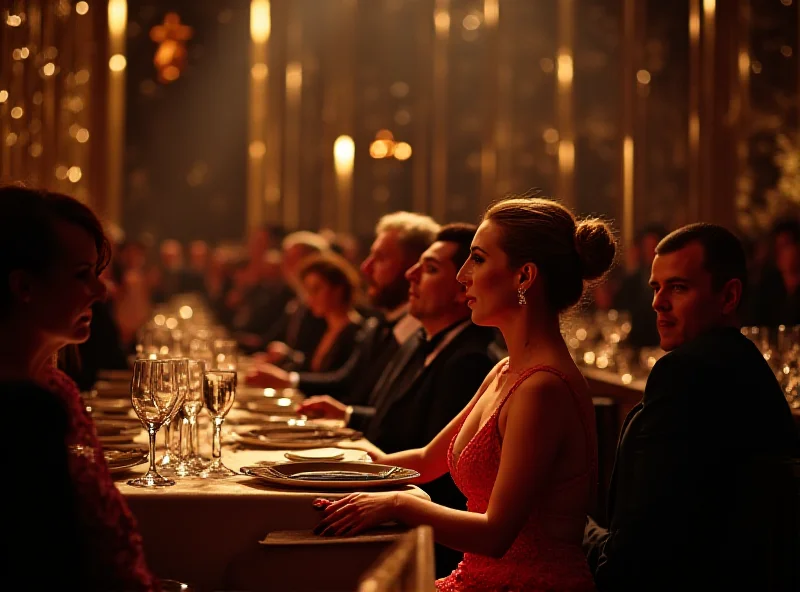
pixel 711 408
pixel 353 382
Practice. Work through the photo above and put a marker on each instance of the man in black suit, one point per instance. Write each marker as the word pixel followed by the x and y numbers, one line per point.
pixel 434 374
pixel 401 237
pixel 678 502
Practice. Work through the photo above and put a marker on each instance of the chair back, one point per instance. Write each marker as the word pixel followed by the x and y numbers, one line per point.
pixel 407 566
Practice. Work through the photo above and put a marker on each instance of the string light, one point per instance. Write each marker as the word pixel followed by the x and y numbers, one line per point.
pixel 82 136
pixel 82 8
pixel 49 69
pixel 74 174
pixel 117 62
pixel 17 112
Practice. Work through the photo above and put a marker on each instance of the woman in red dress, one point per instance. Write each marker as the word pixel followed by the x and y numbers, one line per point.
pixel 52 250
pixel 524 451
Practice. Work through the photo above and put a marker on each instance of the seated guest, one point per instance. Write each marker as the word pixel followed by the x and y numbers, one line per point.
pixel 330 288
pixel 401 237
pixel 634 294
pixel 433 375
pixel 524 449
pixel 288 325
pixel 711 406
pixel 52 251
pixel 777 300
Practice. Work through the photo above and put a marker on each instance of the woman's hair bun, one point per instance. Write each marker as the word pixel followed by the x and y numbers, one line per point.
pixel 596 247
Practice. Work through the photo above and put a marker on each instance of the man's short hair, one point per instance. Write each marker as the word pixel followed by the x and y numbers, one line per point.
pixel 723 253
pixel 461 234
pixel 415 232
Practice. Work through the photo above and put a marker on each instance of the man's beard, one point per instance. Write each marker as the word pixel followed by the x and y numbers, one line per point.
pixel 392 295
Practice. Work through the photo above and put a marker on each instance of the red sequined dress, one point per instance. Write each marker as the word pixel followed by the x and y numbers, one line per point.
pixel 535 561
pixel 115 545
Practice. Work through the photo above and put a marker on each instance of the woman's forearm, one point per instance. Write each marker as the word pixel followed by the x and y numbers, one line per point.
pixel 468 532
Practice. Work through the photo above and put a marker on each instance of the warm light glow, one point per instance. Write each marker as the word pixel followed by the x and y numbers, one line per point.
pixel 491 12
pixel 294 76
pixel 564 68
pixel 260 21
pixel 259 71
pixel 344 152
pixel 379 148
pixel 786 51
pixel 82 8
pixel 402 151
pixel 709 6
pixel 744 64
pixel 82 136
pixel 35 149
pixel 643 76
pixel 602 362
pixel 284 402
pixel 24 52
pixel 117 17
pixel 588 357
pixel 694 128
pixel 550 135
pixel 17 112
pixel 61 172
pixel 694 26
pixel 81 76
pixel 270 392
pixel 171 323
pixel 117 62
pixel 441 22
pixel 159 319
pixel 11 139
pixel 170 73
pixel 471 22
pixel 74 129
pixel 384 134
pixel 627 188
pixel 566 155
pixel 3 96
pixel 257 149
pixel 186 312
pixel 49 69
pixel 74 174
pixel 13 20
pixel 626 378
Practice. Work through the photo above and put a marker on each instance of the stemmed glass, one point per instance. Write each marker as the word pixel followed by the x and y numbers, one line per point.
pixel 225 354
pixel 154 396
pixel 191 463
pixel 171 458
pixel 219 390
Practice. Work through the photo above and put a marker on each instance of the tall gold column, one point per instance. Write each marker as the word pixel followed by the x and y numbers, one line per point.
pixel 260 28
pixel 422 86
pixel 695 86
pixel 117 23
pixel 491 118
pixel 292 118
pixel 628 121
pixel 441 25
pixel 564 112
pixel 708 113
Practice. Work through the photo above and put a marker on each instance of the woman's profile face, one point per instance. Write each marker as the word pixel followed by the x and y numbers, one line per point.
pixel 59 300
pixel 320 296
pixel 489 281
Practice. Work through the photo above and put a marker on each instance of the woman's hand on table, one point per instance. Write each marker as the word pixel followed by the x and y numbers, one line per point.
pixel 358 512
pixel 268 376
pixel 322 407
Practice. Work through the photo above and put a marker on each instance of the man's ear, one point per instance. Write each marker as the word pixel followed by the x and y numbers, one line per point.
pixel 731 296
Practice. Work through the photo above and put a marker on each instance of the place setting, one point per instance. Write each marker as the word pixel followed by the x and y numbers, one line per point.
pixel 331 475
pixel 123 460
pixel 300 435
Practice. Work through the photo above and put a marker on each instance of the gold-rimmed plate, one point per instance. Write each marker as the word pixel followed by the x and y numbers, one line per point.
pixel 340 476
pixel 296 437
pixel 120 461
pixel 110 431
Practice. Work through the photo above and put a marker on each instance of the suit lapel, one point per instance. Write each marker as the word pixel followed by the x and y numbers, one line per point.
pixel 612 483
pixel 392 371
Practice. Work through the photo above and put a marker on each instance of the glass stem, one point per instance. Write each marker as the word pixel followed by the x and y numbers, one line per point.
pixel 168 438
pixel 181 420
pixel 216 450
pixel 194 437
pixel 151 431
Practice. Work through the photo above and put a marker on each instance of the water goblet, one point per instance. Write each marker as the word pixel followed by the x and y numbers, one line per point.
pixel 191 462
pixel 171 458
pixel 154 395
pixel 219 390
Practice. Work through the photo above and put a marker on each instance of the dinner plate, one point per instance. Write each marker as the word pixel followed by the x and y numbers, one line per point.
pixel 120 461
pixel 116 431
pixel 108 405
pixel 297 437
pixel 327 475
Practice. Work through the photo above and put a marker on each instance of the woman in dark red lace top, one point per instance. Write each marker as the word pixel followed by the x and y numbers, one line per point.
pixel 524 451
pixel 52 250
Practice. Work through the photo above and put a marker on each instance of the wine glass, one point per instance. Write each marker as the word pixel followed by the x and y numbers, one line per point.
pixel 225 354
pixel 219 390
pixel 191 462
pixel 171 458
pixel 154 395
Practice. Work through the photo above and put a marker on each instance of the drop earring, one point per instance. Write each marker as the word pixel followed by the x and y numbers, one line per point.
pixel 521 297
